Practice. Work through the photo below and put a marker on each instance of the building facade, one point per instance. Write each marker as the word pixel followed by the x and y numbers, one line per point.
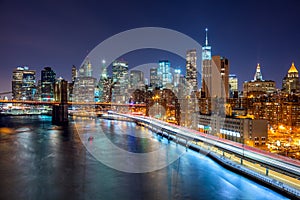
pixel 120 81
pixel 290 83
pixel 136 78
pixel 206 69
pixel 222 65
pixel 243 130
pixel 47 81
pixel 105 86
pixel 258 86
pixel 154 80
pixel 233 86
pixel 84 85
pixel 23 84
pixel 191 68
pixel 164 73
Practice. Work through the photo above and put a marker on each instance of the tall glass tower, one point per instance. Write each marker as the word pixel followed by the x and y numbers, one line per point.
pixel 23 83
pixel 191 68
pixel 120 80
pixel 47 81
pixel 164 73
pixel 206 68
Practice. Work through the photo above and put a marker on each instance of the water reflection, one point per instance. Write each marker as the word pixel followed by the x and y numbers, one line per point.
pixel 45 162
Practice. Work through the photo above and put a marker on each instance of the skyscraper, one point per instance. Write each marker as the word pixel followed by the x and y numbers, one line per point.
pixel 154 80
pixel 222 64
pixel 120 81
pixel 136 78
pixel 86 69
pixel 164 73
pixel 191 68
pixel 105 84
pixel 119 70
pixel 206 68
pixel 23 83
pixel 290 83
pixel 47 81
pixel 177 75
pixel 233 86
pixel 74 73
pixel 258 86
pixel 84 85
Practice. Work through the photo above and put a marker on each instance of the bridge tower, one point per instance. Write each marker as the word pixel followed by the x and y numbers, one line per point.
pixel 60 110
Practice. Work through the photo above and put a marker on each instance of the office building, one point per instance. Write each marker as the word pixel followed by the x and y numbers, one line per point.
pixel 177 77
pixel 137 80
pixel 191 68
pixel 119 71
pixel 85 70
pixel 206 69
pixel 23 84
pixel 243 130
pixel 105 85
pixel 154 80
pixel 164 73
pixel 84 85
pixel 121 81
pixel 233 86
pixel 290 83
pixel 222 65
pixel 74 73
pixel 258 86
pixel 47 81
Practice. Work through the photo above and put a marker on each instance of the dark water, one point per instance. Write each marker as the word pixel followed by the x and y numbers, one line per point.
pixel 41 161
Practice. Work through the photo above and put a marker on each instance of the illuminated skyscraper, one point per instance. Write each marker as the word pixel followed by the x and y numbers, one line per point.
pixel 233 85
pixel 84 86
pixel 119 70
pixel 86 69
pixel 290 83
pixel 120 81
pixel 154 80
pixel 47 81
pixel 74 73
pixel 164 73
pixel 206 68
pixel 177 76
pixel 136 78
pixel 23 83
pixel 258 86
pixel 222 65
pixel 191 68
pixel 258 74
pixel 105 84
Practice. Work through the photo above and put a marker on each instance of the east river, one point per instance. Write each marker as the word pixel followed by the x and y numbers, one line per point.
pixel 39 160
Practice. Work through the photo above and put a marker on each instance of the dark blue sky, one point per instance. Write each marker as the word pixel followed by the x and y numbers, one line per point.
pixel 60 33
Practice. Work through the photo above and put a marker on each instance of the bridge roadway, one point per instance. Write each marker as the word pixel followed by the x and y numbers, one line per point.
pixel 69 103
pixel 281 164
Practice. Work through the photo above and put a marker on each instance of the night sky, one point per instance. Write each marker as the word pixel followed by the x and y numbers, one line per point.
pixel 61 33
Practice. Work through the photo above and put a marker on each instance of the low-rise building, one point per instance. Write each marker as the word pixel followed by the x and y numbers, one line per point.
pixel 253 132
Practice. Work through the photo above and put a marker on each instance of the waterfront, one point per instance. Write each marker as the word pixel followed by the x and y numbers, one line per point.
pixel 42 161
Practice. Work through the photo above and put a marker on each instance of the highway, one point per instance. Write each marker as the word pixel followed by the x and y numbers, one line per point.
pixel 283 165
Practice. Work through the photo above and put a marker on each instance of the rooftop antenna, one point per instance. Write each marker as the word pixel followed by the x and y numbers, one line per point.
pixel 206 38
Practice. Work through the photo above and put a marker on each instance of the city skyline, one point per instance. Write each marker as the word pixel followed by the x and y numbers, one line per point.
pixel 39 40
pixel 150 99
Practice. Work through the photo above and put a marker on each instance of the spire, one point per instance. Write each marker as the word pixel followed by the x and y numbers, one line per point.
pixel 104 71
pixel 206 38
pixel 206 49
pixel 258 75
pixel 293 69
